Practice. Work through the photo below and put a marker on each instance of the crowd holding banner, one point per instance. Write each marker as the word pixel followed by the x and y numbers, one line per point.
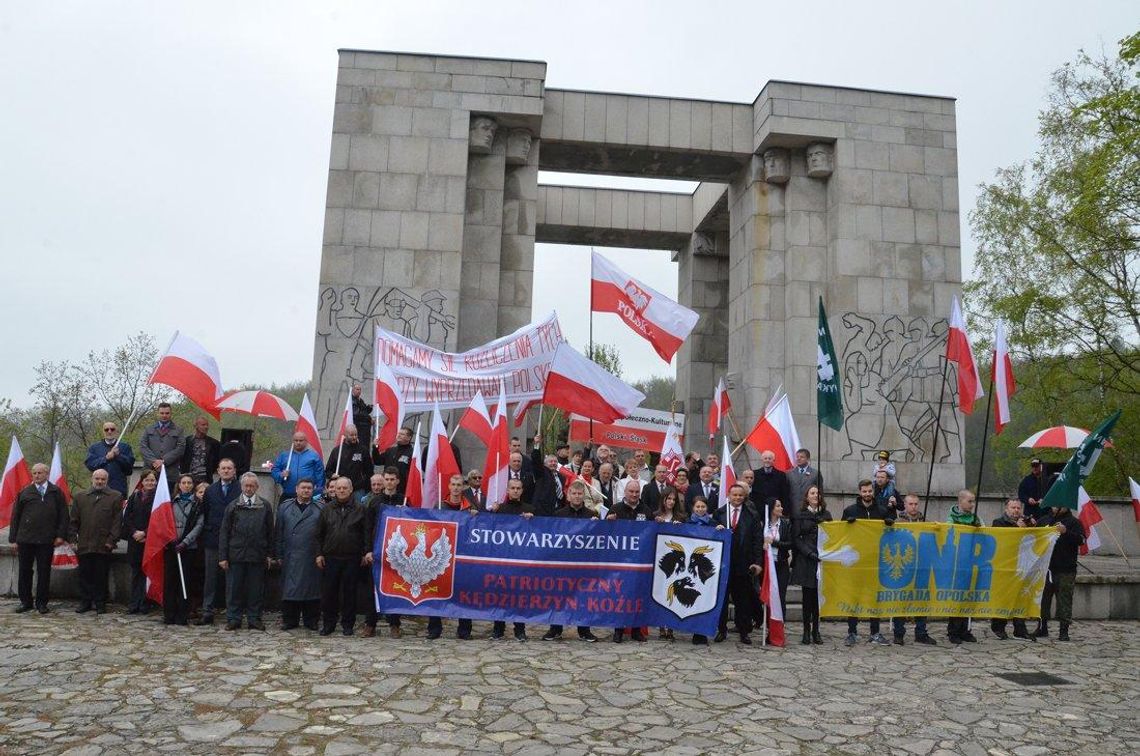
pixel 575 538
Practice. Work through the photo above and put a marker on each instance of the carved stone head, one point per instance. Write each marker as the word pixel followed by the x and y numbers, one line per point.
pixel 776 166
pixel 482 135
pixel 819 160
pixel 518 146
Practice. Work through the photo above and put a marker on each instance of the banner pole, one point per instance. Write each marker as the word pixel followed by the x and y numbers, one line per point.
pixel 736 430
pixel 937 433
pixel 1114 540
pixel 985 438
pixel 181 575
pixel 819 454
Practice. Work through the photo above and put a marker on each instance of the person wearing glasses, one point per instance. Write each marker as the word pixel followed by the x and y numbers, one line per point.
pixel 473 494
pixel 117 459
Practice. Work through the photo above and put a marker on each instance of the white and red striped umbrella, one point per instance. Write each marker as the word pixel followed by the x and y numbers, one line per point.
pixel 1057 437
pixel 257 403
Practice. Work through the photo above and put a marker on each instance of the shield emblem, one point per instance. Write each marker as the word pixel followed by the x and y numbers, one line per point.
pixel 418 562
pixel 686 574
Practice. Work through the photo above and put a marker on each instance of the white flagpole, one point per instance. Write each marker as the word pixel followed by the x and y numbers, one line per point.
pixel 181 575
pixel 764 603
pixel 339 455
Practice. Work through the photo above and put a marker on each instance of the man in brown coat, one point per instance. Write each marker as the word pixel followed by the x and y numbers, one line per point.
pixel 96 519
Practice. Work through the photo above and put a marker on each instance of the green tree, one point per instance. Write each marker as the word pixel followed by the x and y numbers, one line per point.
pixel 660 392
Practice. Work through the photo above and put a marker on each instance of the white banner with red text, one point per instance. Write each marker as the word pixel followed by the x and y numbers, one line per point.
pixel 643 429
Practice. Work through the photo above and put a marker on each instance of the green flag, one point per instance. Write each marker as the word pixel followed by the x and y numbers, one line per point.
pixel 1080 465
pixel 828 395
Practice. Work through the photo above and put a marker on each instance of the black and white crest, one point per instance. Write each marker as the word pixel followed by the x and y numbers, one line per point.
pixel 685 577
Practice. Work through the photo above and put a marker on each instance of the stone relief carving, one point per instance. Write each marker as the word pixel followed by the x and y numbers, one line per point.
pixel 820 161
pixel 702 244
pixel 345 328
pixel 892 367
pixel 776 166
pixel 518 146
pixel 481 137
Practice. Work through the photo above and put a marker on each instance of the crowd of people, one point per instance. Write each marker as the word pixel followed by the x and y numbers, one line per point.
pixel 319 533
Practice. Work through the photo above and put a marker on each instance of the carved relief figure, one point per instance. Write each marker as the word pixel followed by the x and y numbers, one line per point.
pixel 819 160
pixel 518 146
pixel 776 168
pixel 482 135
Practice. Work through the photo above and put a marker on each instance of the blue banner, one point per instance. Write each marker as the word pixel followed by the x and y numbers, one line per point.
pixel 550 570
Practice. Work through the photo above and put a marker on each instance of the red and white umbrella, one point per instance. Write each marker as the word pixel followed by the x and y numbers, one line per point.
pixel 257 403
pixel 1057 437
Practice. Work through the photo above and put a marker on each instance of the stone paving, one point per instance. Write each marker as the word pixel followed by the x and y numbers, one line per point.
pixel 85 684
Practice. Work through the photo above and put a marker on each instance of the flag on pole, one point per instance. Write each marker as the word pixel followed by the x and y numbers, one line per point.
pixel 672 454
pixel 665 324
pixel 775 431
pixel 770 592
pixel 414 486
pixel 1134 490
pixel 389 401
pixel 1064 491
pixel 727 472
pixel 441 464
pixel 828 392
pixel 187 367
pixel 719 408
pixel 345 419
pixel 1002 375
pixel 16 478
pixel 498 453
pixel 576 384
pixel 307 424
pixel 476 419
pixel 159 532
pixel 1089 515
pixel 56 476
pixel 959 351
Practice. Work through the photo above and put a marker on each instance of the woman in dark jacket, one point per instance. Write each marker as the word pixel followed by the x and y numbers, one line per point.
pixel 188 521
pixel 779 534
pixel 805 531
pixel 136 518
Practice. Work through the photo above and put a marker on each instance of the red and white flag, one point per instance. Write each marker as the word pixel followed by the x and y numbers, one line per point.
pixel 770 592
pixel 189 368
pixel 1089 516
pixel 776 432
pixel 441 464
pixel 389 402
pixel 576 384
pixel 498 453
pixel 414 486
pixel 672 453
pixel 958 351
pixel 55 474
pixel 16 478
pixel 665 324
pixel 477 419
pixel 159 532
pixel 727 473
pixel 521 409
pixel 307 424
pixel 1134 489
pixel 719 408
pixel 1004 385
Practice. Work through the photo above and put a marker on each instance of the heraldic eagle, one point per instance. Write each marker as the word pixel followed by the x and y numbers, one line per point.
pixel 672 564
pixel 418 568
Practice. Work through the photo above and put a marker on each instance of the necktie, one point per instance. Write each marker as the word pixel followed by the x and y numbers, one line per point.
pixel 42 489
pixel 225 490
pixel 735 517
pixel 707 490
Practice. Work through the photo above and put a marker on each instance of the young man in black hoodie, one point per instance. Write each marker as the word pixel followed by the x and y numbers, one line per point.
pixel 866 508
pixel 1062 570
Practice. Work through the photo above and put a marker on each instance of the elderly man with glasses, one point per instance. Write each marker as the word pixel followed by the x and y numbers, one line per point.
pixel 114 456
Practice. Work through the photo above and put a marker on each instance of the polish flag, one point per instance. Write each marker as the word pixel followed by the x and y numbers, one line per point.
pixel 414 486
pixel 776 432
pixel 441 464
pixel 159 532
pixel 770 592
pixel 576 384
pixel 672 455
pixel 1133 487
pixel 498 453
pixel 958 351
pixel 1090 516
pixel 727 473
pixel 719 409
pixel 189 368
pixel 56 476
pixel 477 419
pixel 307 424
pixel 389 401
pixel 522 408
pixel 17 477
pixel 1004 385
pixel 665 324
pixel 345 419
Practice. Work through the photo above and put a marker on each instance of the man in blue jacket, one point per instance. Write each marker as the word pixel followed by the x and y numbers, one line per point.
pixel 303 462
pixel 218 496
pixel 118 461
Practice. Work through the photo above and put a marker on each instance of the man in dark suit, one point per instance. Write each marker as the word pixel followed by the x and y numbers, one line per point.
pixel 515 471
pixel 607 484
pixel 651 491
pixel 703 486
pixel 771 484
pixel 547 493
pixel 747 555
pixel 219 495
pixel 473 493
pixel 39 524
pixel 202 454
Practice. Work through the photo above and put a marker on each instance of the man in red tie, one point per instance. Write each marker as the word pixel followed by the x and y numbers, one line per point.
pixel 747 553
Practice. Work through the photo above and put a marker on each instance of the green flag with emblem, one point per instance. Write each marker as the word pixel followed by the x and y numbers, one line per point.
pixel 1080 466
pixel 829 396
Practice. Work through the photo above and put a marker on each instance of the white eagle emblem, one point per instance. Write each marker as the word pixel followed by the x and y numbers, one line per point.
pixel 417 568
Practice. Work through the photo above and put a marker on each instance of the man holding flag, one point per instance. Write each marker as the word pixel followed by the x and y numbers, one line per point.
pixel 293 464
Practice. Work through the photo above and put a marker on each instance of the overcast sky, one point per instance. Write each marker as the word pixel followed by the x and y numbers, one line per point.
pixel 163 165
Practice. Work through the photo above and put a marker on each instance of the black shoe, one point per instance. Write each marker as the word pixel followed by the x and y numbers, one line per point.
pixel 433 634
pixel 520 637
pixel 1042 630
pixel 327 630
pixel 84 608
pixel 551 635
pixel 587 636
pixel 806 640
pixel 233 626
pixel 134 610
pixel 1064 634
pixel 745 639
pixel 312 626
pixel 700 640
pixel 23 608
pixel 925 640
pixel 619 636
pixel 466 635
pixel 968 637
pixel 721 637
pixel 1001 635
pixel 100 608
pixel 259 625
pixel 900 640
pixel 816 638
pixel 166 621
pixel 43 609
pixel 347 631
pixel 1024 635
pixel 497 635
pixel 288 627
pixel 955 639
pixel 637 635
pixel 206 619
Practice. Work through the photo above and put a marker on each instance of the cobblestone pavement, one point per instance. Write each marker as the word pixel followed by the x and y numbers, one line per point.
pixel 86 684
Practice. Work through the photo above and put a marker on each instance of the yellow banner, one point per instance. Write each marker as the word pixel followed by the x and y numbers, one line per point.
pixel 869 569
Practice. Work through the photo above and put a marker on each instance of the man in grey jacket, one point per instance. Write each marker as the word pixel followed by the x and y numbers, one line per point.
pixel 800 478
pixel 245 549
pixel 163 444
